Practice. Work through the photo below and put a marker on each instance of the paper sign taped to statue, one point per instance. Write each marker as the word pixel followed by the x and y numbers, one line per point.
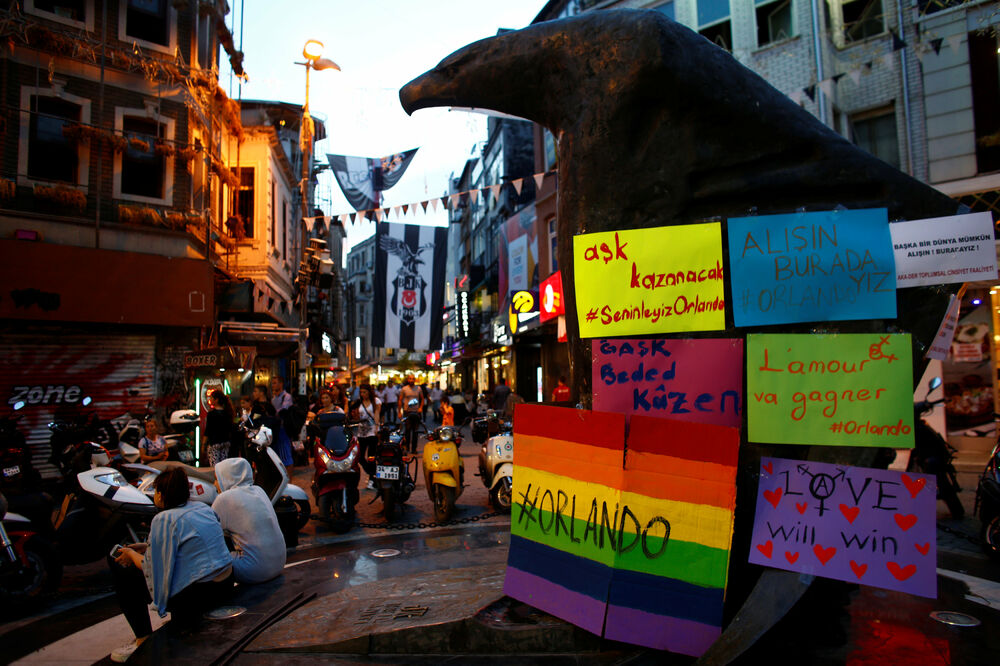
pixel 633 548
pixel 822 266
pixel 688 380
pixel 869 526
pixel 642 281
pixel 943 250
pixel 839 389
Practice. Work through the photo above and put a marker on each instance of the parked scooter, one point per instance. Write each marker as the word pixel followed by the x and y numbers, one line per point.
pixel 69 436
pixel 29 563
pixel 336 460
pixel 393 480
pixel 496 461
pixel 933 455
pixel 444 470
pixel 988 504
pixel 180 442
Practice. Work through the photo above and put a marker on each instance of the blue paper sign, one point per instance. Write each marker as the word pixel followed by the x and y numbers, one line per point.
pixel 812 267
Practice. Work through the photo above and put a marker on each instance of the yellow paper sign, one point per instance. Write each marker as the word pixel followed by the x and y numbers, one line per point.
pixel 640 281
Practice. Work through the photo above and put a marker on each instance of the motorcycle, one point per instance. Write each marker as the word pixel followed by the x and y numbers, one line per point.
pixel 179 443
pixel 444 470
pixel 393 481
pixel 988 504
pixel 70 438
pixel 29 563
pixel 496 461
pixel 337 465
pixel 933 455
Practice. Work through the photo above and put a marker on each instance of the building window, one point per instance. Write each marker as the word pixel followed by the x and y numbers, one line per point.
pixel 244 199
pixel 51 156
pixel 774 21
pixel 667 8
pixel 855 20
pixel 147 20
pixel 551 155
pixel 143 170
pixel 875 132
pixel 714 24
pixel 925 7
pixel 553 244
pixel 984 70
pixel 74 10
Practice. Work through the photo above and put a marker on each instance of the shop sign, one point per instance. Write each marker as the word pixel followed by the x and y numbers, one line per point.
pixel 433 358
pixel 553 302
pixel 500 336
pixel 463 314
pixel 523 312
pixel 326 343
pixel 221 357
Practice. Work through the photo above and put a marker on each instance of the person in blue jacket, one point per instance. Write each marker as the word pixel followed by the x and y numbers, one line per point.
pixel 184 568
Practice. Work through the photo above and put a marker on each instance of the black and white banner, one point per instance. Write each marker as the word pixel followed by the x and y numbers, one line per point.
pixel 409 286
pixel 362 179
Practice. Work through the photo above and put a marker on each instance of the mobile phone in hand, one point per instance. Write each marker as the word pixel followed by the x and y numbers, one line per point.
pixel 116 551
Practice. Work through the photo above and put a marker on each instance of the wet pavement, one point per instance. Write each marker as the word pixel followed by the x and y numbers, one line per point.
pixel 434 594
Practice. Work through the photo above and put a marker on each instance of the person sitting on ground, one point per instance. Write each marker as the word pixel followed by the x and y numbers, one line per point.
pixel 248 517
pixel 152 446
pixel 184 568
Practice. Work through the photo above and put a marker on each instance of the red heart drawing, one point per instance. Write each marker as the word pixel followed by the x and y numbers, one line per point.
pixel 791 557
pixel 766 549
pixel 769 468
pixel 773 496
pixel 824 554
pixel 914 486
pixel 924 548
pixel 801 507
pixel 858 569
pixel 901 573
pixel 905 522
pixel 849 512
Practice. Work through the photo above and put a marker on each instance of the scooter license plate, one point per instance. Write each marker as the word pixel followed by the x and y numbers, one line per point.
pixel 11 471
pixel 387 472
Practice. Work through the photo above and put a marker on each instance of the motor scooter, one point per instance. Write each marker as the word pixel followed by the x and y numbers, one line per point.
pixel 183 423
pixel 337 471
pixel 988 504
pixel 444 470
pixel 29 563
pixel 933 455
pixel 496 462
pixel 393 480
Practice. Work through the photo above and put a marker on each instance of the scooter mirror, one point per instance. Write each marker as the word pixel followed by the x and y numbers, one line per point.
pixel 935 382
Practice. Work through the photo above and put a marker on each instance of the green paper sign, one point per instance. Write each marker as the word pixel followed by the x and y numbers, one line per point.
pixel 839 390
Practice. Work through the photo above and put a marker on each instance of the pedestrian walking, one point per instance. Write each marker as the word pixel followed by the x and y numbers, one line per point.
pixel 436 402
pixel 218 428
pixel 389 402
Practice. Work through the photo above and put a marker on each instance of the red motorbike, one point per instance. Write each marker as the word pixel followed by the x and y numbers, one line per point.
pixel 338 471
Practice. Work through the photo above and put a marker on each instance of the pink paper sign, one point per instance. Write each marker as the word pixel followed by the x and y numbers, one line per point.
pixel 688 380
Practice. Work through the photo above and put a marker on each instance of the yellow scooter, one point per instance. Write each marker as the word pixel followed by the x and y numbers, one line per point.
pixel 444 470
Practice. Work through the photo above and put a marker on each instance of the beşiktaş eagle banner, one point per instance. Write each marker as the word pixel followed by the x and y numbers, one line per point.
pixel 409 285
pixel 362 178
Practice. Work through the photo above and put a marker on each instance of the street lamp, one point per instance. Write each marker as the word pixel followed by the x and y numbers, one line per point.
pixel 311 52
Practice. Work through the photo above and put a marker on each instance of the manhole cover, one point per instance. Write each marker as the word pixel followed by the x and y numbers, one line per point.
pixel 225 612
pixel 955 619
pixel 385 552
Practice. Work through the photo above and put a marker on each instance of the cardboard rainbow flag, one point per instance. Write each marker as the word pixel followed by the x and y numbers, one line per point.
pixel 632 547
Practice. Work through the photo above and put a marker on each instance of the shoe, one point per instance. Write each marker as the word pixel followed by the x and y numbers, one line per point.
pixel 120 655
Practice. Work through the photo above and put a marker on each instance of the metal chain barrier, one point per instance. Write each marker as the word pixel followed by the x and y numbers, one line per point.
pixel 974 540
pixel 414 526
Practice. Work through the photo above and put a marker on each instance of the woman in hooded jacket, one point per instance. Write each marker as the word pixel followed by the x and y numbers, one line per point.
pixel 248 517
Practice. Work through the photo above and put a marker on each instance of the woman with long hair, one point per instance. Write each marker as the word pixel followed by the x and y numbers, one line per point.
pixel 218 427
pixel 369 413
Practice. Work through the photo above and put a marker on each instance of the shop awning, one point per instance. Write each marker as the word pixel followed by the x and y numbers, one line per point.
pixel 270 339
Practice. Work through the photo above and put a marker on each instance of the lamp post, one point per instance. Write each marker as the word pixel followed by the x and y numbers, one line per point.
pixel 312 53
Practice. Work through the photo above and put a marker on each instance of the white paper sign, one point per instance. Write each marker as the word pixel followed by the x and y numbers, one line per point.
pixel 943 250
pixel 946 331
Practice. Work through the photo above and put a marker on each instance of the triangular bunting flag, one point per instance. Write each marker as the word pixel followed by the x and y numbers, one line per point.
pixel 826 85
pixel 385 212
pixel 539 177
pixel 423 204
pixel 855 75
pixel 495 189
pixel 378 214
pixel 897 43
pixel 954 42
pixel 838 77
pixel 936 45
pixel 395 211
pixel 406 207
pixel 354 216
pixel 796 96
pixel 474 195
pixel 518 183
pixel 920 53
pixel 434 204
pixel 343 220
pixel 810 91
pixel 868 65
pixel 453 200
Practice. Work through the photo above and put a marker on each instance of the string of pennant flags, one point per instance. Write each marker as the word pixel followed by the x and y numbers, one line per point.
pixel 886 59
pixel 447 202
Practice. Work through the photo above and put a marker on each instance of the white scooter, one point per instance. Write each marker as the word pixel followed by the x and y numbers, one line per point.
pixel 496 463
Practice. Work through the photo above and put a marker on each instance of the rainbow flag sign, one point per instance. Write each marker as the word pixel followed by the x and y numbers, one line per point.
pixel 633 547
